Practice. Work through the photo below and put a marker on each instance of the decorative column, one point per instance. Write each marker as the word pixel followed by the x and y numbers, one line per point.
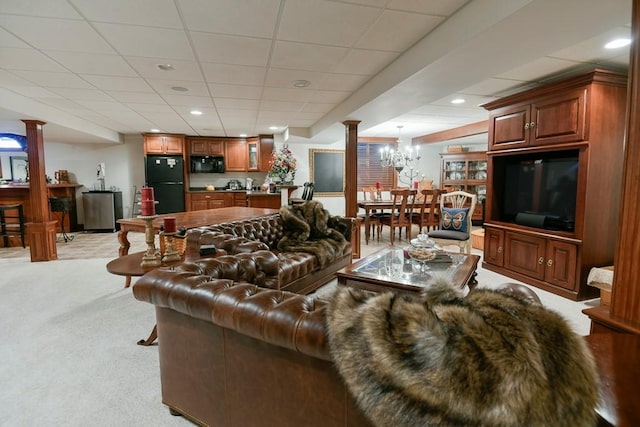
pixel 41 231
pixel 351 180
pixel 625 298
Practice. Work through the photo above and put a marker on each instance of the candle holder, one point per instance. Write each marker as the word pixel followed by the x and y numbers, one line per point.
pixel 170 254
pixel 151 257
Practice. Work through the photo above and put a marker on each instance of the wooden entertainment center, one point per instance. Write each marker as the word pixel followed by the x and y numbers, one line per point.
pixel 582 117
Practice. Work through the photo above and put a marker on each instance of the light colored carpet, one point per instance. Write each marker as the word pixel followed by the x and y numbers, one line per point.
pixel 68 333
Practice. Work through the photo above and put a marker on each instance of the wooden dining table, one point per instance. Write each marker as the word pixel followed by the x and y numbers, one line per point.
pixel 375 206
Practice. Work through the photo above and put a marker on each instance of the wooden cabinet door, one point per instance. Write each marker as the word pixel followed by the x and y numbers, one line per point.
pixel 163 144
pixel 215 147
pixel 525 254
pixel 198 202
pixel 154 145
pixel 266 149
pixel 235 155
pixel 561 264
pixel 253 154
pixel 199 147
pixel 240 199
pixel 559 119
pixel 173 144
pixel 509 127
pixel 494 246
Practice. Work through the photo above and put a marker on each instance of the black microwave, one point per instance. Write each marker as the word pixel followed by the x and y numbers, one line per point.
pixel 207 164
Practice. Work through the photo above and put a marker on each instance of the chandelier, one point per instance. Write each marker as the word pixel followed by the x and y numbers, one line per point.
pixel 401 162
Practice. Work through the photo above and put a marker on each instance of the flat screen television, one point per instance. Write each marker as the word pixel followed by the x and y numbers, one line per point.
pixel 540 189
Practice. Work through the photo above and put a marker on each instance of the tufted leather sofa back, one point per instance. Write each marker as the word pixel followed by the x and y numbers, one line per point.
pixel 281 318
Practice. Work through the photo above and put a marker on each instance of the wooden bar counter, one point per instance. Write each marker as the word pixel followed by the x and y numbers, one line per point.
pixel 19 193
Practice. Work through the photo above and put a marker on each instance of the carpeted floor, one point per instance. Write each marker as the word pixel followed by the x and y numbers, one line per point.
pixel 68 338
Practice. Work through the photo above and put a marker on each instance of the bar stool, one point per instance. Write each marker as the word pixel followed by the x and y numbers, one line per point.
pixel 12 223
pixel 63 205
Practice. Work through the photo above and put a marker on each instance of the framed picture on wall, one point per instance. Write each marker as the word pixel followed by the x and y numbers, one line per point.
pixel 19 168
pixel 327 172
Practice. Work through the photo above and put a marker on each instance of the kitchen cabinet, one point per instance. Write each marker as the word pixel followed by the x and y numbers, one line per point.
pixel 266 150
pixel 206 146
pixel 235 155
pixel 527 237
pixel 466 172
pixel 163 144
pixel 253 154
pixel 203 201
pixel 216 199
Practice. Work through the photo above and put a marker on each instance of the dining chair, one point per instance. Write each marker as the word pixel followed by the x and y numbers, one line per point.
pixel 456 210
pixel 400 214
pixel 307 194
pixel 425 214
pixel 374 216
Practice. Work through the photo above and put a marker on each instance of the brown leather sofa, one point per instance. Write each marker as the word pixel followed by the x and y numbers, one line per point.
pixel 258 238
pixel 235 354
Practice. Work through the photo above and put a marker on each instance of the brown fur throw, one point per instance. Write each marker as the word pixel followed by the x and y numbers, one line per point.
pixel 440 359
pixel 306 230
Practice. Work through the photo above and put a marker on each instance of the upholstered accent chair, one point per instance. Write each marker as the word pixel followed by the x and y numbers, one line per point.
pixel 456 210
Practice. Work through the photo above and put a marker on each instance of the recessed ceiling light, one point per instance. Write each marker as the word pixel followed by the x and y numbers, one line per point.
pixel 301 83
pixel 273 127
pixel 243 135
pixel 614 44
pixel 196 112
pixel 164 67
pixel 179 89
pixel 154 130
pixel 457 101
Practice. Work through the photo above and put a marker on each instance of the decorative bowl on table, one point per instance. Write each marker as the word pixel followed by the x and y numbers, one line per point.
pixel 422 253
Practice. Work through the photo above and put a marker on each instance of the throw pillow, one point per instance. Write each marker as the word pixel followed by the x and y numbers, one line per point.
pixel 455 219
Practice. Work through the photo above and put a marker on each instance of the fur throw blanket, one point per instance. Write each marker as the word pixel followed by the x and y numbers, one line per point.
pixel 307 229
pixel 488 359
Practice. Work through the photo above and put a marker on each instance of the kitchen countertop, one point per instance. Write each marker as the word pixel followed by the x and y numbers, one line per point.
pixel 253 193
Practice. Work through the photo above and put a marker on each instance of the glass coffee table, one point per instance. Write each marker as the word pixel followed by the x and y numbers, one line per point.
pixel 391 269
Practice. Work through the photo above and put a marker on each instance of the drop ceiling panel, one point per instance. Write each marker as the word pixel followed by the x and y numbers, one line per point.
pixel 82 94
pixel 164 12
pixel 282 106
pixel 9 40
pixel 132 84
pixel 255 18
pixel 44 8
pixel 364 61
pixel 291 95
pixel 34 92
pixel 149 108
pixel 225 49
pixel 182 70
pixel 45 33
pixel 152 42
pixel 27 59
pixel 304 56
pixel 342 82
pixel 280 77
pixel 89 63
pixel 394 31
pixel 240 104
pixel 431 7
pixel 236 91
pixel 188 100
pixel 234 74
pixel 325 22
pixel 314 107
pixel 53 80
pixel 165 87
pixel 139 97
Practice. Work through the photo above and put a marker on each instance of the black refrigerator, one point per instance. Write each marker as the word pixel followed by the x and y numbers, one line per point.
pixel 166 175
